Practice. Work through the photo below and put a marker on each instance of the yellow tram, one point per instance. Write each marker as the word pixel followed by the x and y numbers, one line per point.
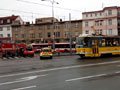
pixel 96 46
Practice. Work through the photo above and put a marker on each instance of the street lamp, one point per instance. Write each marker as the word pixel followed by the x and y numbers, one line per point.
pixel 52 2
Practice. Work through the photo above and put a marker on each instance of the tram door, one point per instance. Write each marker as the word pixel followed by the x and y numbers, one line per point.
pixel 95 48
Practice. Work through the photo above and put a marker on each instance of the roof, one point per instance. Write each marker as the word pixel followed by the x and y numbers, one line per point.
pixel 4 20
pixel 105 8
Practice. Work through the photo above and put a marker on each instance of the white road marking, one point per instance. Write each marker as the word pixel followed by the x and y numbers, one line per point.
pixel 60 68
pixel 87 77
pixel 25 88
pixel 22 79
pixel 118 65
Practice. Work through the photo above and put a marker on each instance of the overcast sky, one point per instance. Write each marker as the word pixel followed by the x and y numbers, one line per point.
pixel 32 9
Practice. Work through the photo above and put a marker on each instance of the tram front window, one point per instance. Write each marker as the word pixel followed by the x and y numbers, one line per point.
pixel 82 42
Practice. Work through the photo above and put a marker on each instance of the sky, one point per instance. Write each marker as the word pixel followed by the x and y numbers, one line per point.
pixel 28 10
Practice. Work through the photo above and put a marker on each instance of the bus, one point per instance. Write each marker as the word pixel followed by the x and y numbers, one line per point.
pixel 96 45
pixel 37 47
pixel 59 47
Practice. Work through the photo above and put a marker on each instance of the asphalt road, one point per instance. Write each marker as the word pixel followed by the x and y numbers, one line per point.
pixel 60 73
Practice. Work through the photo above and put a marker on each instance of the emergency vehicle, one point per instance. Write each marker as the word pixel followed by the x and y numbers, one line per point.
pixel 7 49
pixel 25 50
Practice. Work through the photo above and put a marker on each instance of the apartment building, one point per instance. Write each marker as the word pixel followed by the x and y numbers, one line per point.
pixel 42 31
pixel 5 26
pixel 105 22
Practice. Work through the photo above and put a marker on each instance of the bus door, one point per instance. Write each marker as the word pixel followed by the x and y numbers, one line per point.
pixel 95 49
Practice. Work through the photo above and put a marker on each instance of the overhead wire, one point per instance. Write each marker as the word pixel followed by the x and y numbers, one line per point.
pixel 49 5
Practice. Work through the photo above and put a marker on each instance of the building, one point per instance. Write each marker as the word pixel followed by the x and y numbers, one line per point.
pixel 105 22
pixel 6 28
pixel 41 31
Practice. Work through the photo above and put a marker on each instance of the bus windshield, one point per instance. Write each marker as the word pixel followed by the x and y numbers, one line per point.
pixel 82 42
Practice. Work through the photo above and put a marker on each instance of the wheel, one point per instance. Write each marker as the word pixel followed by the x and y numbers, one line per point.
pixel 51 57
pixel 41 58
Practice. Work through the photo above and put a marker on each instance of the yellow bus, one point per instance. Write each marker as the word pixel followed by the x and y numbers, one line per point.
pixel 96 46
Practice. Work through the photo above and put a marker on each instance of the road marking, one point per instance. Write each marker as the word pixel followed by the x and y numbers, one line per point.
pixel 22 79
pixel 87 77
pixel 60 68
pixel 118 65
pixel 25 88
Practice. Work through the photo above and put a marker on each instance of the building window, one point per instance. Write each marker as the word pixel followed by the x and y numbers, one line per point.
pixel 32 35
pixel 86 24
pixel 91 15
pixel 16 29
pixel 100 22
pixel 100 14
pixel 110 31
pixel 1 35
pixel 118 22
pixel 76 25
pixel 1 28
pixel 76 33
pixel 57 26
pixel 86 32
pixel 66 34
pixel 23 35
pixel 1 21
pixel 57 34
pixel 86 15
pixel 40 35
pixel 8 28
pixel 16 35
pixel 8 20
pixel 109 12
pixel 99 31
pixel 31 28
pixel 110 21
pixel 8 35
pixel 95 14
pixel 66 25
pixel 49 35
pixel 48 26
pixel 118 13
pixel 40 27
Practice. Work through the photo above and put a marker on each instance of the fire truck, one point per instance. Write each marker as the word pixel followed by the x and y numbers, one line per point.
pixel 7 49
pixel 25 50
pixel 11 49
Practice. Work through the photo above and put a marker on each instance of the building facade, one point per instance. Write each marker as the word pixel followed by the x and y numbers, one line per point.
pixel 6 26
pixel 42 31
pixel 105 22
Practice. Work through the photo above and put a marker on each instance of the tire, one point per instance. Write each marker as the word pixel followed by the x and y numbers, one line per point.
pixel 51 57
pixel 41 58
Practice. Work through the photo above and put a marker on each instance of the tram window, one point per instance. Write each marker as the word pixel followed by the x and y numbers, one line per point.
pixel 115 42
pixel 86 42
pixel 103 42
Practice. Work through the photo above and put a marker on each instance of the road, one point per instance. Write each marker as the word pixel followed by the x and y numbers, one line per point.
pixel 60 73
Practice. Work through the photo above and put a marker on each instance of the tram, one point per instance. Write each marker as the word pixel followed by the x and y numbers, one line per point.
pixel 96 45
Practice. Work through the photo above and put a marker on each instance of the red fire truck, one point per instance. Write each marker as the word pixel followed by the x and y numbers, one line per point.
pixel 25 50
pixel 7 49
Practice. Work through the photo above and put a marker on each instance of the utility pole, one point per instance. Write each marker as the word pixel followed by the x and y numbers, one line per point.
pixel 53 36
pixel 70 33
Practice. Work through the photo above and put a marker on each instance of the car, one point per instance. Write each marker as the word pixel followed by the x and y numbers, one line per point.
pixel 46 53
